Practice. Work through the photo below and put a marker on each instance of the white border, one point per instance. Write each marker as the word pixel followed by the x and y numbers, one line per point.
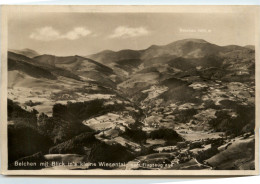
pixel 7 10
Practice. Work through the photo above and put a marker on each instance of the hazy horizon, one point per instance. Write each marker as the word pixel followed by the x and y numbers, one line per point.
pixel 65 34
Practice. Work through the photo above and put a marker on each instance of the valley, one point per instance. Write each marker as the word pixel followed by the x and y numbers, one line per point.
pixel 188 105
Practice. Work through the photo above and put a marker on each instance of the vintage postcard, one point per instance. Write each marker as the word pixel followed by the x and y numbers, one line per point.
pixel 129 90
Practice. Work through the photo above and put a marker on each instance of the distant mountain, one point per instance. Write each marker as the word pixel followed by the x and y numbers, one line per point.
pixel 72 63
pixel 26 65
pixel 108 56
pixel 26 52
pixel 250 47
pixel 188 60
pixel 73 67
pixel 123 62
pixel 110 67
pixel 187 53
pixel 84 67
pixel 124 67
pixel 16 60
pixel 187 48
pixel 19 57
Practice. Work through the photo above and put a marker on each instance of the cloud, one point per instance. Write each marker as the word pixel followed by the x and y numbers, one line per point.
pixel 45 34
pixel 50 34
pixel 128 32
pixel 76 33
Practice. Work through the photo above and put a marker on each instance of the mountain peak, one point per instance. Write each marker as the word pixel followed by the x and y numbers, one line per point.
pixel 194 40
pixel 26 52
pixel 107 51
pixel 27 49
pixel 250 47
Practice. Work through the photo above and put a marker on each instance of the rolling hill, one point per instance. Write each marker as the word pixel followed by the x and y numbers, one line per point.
pixel 84 67
pixel 26 52
pixel 183 54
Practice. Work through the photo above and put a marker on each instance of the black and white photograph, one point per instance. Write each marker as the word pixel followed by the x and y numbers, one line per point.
pixel 129 90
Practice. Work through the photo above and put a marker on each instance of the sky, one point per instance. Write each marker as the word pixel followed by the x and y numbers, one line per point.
pixel 64 34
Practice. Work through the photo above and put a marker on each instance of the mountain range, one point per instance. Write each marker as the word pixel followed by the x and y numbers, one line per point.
pixel 182 103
